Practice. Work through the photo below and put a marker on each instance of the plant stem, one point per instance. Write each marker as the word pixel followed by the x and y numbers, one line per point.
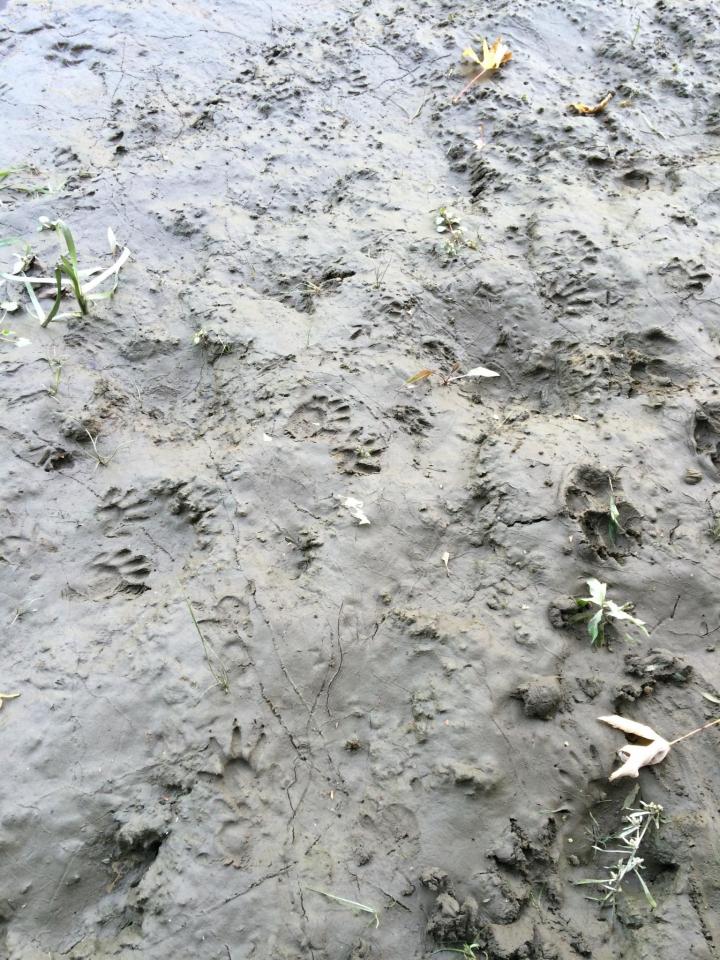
pixel 692 733
pixel 473 81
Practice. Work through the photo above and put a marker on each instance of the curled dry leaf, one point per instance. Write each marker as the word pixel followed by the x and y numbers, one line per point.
pixel 446 560
pixel 475 372
pixel 356 510
pixel 584 110
pixel 634 756
pixel 417 377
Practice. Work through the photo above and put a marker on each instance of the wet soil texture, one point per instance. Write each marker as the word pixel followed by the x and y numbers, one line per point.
pixel 233 693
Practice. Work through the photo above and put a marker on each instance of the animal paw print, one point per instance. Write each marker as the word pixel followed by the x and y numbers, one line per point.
pixel 587 500
pixel 69 54
pixel 397 305
pixel 48 455
pixel 249 795
pixel 412 419
pixel 119 505
pixel 688 276
pixel 482 178
pixel 358 82
pixel 569 249
pixel 121 571
pixel 706 432
pixel 359 454
pixel 570 294
pixel 318 416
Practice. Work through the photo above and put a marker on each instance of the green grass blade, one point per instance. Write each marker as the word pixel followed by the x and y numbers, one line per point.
pixel 64 231
pixel 58 297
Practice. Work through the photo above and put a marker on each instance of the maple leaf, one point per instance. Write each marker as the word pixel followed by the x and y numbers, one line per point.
pixel 634 756
pixel 493 57
pixel 584 110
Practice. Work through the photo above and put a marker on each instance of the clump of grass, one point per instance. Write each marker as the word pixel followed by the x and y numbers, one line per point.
pixel 380 271
pixel 598 611
pixel 101 459
pixel 628 842
pixel 69 277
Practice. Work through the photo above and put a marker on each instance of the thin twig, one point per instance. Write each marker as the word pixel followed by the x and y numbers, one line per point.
pixel 219 673
pixel 692 733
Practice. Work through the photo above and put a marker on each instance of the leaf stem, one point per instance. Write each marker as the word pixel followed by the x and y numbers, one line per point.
pixel 473 81
pixel 692 733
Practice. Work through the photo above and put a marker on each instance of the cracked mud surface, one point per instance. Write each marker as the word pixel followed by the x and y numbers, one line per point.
pixel 420 740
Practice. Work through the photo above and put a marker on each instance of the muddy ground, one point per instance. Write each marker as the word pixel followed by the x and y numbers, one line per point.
pixel 420 739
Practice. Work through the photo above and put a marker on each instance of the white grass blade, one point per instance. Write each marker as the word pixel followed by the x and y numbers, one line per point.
pixel 113 269
pixel 36 303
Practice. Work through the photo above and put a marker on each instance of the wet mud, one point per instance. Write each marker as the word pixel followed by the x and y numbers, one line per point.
pixel 232 693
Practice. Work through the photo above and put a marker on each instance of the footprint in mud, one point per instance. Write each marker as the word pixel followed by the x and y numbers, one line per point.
pixel 686 276
pixel 712 122
pixel 359 454
pixel 390 831
pixel 125 505
pixel 68 54
pixel 241 788
pixel 650 372
pixel 317 416
pixel 412 419
pixel 46 454
pixel 706 432
pixel 567 249
pixel 120 571
pixel 398 304
pixel 357 80
pixel 569 293
pixel 587 500
pixel 628 365
pixel 483 178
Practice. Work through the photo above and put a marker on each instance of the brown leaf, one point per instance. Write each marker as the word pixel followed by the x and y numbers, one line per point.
pixel 634 756
pixel 584 110
pixel 420 375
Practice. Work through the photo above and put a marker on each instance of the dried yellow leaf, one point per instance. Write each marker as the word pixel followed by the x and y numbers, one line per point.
pixel 584 110
pixel 469 54
pixel 493 56
pixel 496 55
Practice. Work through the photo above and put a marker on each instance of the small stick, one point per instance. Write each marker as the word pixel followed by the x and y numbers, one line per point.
pixel 473 81
pixel 692 733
